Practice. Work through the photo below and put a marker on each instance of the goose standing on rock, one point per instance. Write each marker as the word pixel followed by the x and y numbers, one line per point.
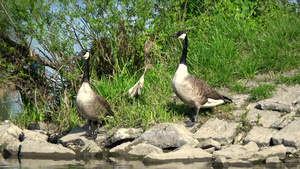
pixel 191 90
pixel 91 105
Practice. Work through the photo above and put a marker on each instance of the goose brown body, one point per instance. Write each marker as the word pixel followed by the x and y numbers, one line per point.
pixel 90 104
pixel 195 92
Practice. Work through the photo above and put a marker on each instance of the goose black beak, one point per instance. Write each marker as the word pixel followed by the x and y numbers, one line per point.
pixel 175 35
pixel 82 53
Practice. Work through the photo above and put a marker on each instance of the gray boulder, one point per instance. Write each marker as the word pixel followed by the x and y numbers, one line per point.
pixel 267 117
pixel 209 143
pixel 33 135
pixel 9 132
pixel 121 149
pixel 76 141
pixel 283 121
pixel 237 151
pixel 12 149
pixel 144 149
pixel 238 139
pixel 289 135
pixel 216 129
pixel 267 152
pixel 240 100
pixel 42 149
pixel 273 162
pixel 90 149
pixel 220 162
pixel 283 100
pixel 260 135
pixel 182 155
pixel 126 134
pixel 239 163
pixel 166 135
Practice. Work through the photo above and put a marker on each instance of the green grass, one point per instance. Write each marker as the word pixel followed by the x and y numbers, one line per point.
pixel 262 92
pixel 220 52
pixel 239 88
pixel 289 80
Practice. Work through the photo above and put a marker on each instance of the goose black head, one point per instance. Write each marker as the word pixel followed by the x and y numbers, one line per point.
pixel 180 35
pixel 85 54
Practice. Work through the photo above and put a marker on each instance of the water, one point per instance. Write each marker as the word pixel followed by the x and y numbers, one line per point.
pixel 121 163
pixel 10 104
pixel 112 162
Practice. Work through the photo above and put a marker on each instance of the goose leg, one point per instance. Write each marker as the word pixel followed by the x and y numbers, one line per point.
pixel 194 120
pixel 137 99
pixel 197 113
pixel 90 134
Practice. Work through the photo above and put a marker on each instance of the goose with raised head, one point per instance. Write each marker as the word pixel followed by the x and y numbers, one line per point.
pixel 195 92
pixel 90 104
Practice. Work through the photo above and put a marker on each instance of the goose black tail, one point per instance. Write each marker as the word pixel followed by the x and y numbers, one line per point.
pixel 227 99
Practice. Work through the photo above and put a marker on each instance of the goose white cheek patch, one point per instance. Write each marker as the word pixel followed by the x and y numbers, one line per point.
pixel 87 55
pixel 182 36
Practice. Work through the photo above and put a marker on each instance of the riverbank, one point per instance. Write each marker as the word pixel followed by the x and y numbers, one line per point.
pixel 264 132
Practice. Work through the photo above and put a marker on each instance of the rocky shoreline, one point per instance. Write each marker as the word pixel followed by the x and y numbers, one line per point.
pixel 274 139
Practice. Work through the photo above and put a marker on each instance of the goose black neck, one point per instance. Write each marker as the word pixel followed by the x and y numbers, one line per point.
pixel 184 51
pixel 86 77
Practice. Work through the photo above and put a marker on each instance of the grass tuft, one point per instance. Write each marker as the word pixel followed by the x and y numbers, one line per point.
pixel 262 92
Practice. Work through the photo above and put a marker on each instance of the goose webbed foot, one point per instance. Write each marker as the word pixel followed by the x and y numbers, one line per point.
pixel 90 135
pixel 190 123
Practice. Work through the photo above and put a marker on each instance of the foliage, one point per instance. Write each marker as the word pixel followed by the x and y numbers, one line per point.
pixel 245 125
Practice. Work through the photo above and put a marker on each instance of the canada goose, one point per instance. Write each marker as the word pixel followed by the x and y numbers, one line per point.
pixel 136 90
pixel 91 105
pixel 191 90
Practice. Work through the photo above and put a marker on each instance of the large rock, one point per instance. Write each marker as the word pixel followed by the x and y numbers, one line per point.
pixel 9 132
pixel 239 163
pixel 126 134
pixel 121 149
pixel 167 135
pixel 237 151
pixel 240 100
pixel 283 121
pixel 77 141
pixel 210 143
pixel 144 149
pixel 283 100
pixel 260 135
pixel 90 149
pixel 42 149
pixel 183 155
pixel 267 152
pixel 12 149
pixel 220 162
pixel 265 117
pixel 216 129
pixel 289 135
pixel 33 135
pixel 273 162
